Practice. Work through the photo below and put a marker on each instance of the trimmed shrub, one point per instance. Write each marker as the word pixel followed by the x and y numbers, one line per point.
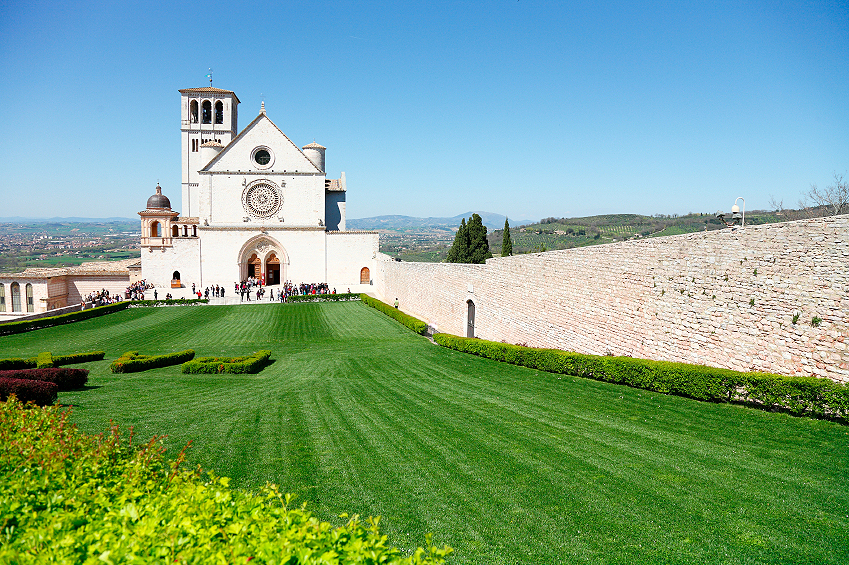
pixel 29 325
pixel 132 362
pixel 73 358
pixel 17 363
pixel 67 497
pixel 797 395
pixel 345 297
pixel 413 323
pixel 231 365
pixel 171 302
pixel 44 360
pixel 65 379
pixel 39 392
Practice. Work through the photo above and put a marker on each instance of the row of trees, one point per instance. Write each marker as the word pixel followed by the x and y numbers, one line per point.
pixel 471 245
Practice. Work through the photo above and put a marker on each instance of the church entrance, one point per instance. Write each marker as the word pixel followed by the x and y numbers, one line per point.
pixel 254 267
pixel 272 270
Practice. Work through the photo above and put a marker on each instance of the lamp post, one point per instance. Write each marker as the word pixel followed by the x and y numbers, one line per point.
pixel 736 214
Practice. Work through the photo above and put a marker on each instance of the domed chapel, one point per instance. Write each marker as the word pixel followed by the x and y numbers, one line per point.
pixel 253 204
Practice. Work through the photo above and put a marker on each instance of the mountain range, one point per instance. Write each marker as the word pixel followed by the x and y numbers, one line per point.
pixel 490 220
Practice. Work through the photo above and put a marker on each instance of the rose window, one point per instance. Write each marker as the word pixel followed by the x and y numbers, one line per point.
pixel 262 200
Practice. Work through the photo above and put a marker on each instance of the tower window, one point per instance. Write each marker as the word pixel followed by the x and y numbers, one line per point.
pixel 30 303
pixel 194 145
pixel 207 112
pixel 219 112
pixel 193 110
pixel 2 298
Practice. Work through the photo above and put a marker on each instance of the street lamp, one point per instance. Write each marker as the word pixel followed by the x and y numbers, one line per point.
pixel 737 216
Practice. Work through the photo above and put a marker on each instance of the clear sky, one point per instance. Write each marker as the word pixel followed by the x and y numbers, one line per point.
pixel 524 108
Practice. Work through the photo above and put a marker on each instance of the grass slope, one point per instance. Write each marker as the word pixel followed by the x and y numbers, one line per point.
pixel 505 464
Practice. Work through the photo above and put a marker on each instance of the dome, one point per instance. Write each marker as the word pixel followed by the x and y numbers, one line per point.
pixel 158 200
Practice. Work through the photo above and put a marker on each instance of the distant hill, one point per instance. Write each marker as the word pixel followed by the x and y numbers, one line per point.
pixel 405 223
pixel 74 220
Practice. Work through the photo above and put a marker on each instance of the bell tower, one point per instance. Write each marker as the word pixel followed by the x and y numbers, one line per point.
pixel 207 114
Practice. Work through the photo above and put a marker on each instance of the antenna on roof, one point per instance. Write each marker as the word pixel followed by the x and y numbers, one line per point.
pixel 209 76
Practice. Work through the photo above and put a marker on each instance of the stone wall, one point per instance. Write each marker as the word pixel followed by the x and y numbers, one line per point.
pixel 723 298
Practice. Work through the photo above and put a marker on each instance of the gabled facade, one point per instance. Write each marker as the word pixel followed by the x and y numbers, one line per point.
pixel 253 205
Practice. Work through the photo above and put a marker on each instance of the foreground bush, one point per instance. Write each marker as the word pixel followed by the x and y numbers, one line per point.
pixel 232 365
pixel 133 362
pixel 39 392
pixel 64 378
pixel 413 323
pixel 797 395
pixel 48 360
pixel 344 297
pixel 66 497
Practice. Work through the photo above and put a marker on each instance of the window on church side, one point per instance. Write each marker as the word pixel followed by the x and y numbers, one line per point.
pixel 194 231
pixel 155 229
pixel 2 298
pixel 16 297
pixel 207 112
pixel 194 111
pixel 194 145
pixel 219 112
pixel 175 231
pixel 30 303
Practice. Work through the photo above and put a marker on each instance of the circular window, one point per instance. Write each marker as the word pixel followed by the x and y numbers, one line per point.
pixel 262 157
pixel 262 199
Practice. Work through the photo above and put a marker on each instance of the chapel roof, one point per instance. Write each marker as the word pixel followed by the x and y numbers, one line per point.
pixel 314 145
pixel 209 90
pixel 158 200
pixel 90 268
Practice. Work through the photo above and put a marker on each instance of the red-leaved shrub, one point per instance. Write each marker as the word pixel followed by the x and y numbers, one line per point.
pixel 66 379
pixel 40 392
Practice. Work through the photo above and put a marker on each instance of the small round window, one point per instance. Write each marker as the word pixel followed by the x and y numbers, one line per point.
pixel 262 157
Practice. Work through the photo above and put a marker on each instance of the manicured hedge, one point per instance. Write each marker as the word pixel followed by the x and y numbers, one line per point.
pixel 29 325
pixel 17 363
pixel 67 497
pixel 48 360
pixel 232 365
pixel 413 323
pixel 171 302
pixel 59 360
pixel 797 395
pixel 133 362
pixel 64 378
pixel 40 392
pixel 345 297
pixel 43 360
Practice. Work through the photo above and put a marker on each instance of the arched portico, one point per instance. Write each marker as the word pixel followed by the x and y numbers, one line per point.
pixel 264 258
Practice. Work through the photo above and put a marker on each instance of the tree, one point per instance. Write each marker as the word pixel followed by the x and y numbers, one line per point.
pixel 459 251
pixel 478 244
pixel 470 243
pixel 506 242
pixel 835 197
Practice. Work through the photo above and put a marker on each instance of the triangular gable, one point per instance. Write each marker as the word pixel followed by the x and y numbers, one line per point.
pixel 236 156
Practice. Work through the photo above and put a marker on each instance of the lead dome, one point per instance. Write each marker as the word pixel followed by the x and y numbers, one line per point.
pixel 159 200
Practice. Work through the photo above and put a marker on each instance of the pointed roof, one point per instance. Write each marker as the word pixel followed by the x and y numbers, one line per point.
pixel 314 145
pixel 262 116
pixel 209 90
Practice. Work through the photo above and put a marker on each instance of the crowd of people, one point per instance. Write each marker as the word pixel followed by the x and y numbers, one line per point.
pixel 136 290
pixel 100 298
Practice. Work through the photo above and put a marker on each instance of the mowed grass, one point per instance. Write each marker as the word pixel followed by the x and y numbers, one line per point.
pixel 505 464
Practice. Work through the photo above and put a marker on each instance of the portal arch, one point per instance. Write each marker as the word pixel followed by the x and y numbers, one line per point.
pixel 261 255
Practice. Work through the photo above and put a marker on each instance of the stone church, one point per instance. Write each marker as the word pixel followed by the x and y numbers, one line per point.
pixel 253 204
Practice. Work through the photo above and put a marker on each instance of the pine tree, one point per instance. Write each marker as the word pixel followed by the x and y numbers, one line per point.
pixel 459 251
pixel 478 244
pixel 506 242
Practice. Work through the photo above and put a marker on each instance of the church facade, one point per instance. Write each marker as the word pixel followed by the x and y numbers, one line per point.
pixel 253 204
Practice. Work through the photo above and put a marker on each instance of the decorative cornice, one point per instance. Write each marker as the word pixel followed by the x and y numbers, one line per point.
pixel 341 232
pixel 263 172
pixel 254 228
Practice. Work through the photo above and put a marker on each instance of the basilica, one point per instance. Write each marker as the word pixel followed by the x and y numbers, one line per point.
pixel 253 204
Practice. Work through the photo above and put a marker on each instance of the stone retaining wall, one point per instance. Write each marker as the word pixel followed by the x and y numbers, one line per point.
pixel 723 298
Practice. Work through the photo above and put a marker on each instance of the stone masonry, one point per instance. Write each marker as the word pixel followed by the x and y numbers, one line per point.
pixel 722 298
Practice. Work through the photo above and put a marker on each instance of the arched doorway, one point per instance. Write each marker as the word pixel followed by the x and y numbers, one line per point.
pixel 470 318
pixel 16 297
pixel 254 266
pixel 365 276
pixel 272 269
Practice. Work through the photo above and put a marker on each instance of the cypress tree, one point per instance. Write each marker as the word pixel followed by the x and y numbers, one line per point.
pixel 506 242
pixel 459 251
pixel 478 244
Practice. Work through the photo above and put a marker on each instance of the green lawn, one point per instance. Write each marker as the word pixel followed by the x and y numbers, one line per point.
pixel 505 464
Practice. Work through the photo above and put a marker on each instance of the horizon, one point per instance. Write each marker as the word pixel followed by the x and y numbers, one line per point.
pixel 533 109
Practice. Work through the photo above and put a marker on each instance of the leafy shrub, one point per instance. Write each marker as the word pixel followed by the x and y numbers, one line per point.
pixel 231 365
pixel 44 360
pixel 59 360
pixel 133 362
pixel 17 363
pixel 171 302
pixel 323 297
pixel 413 323
pixel 65 379
pixel 39 392
pixel 29 325
pixel 798 395
pixel 66 497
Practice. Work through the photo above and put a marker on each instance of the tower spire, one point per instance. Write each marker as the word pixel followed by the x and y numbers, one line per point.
pixel 209 76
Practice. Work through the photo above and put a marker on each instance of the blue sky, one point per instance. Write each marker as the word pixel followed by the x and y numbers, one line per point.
pixel 524 108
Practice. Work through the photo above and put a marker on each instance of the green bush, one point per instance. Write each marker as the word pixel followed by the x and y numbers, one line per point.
pixel 133 362
pixel 29 325
pixel 17 363
pixel 323 297
pixel 797 395
pixel 44 360
pixel 413 323
pixel 59 360
pixel 67 497
pixel 232 365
